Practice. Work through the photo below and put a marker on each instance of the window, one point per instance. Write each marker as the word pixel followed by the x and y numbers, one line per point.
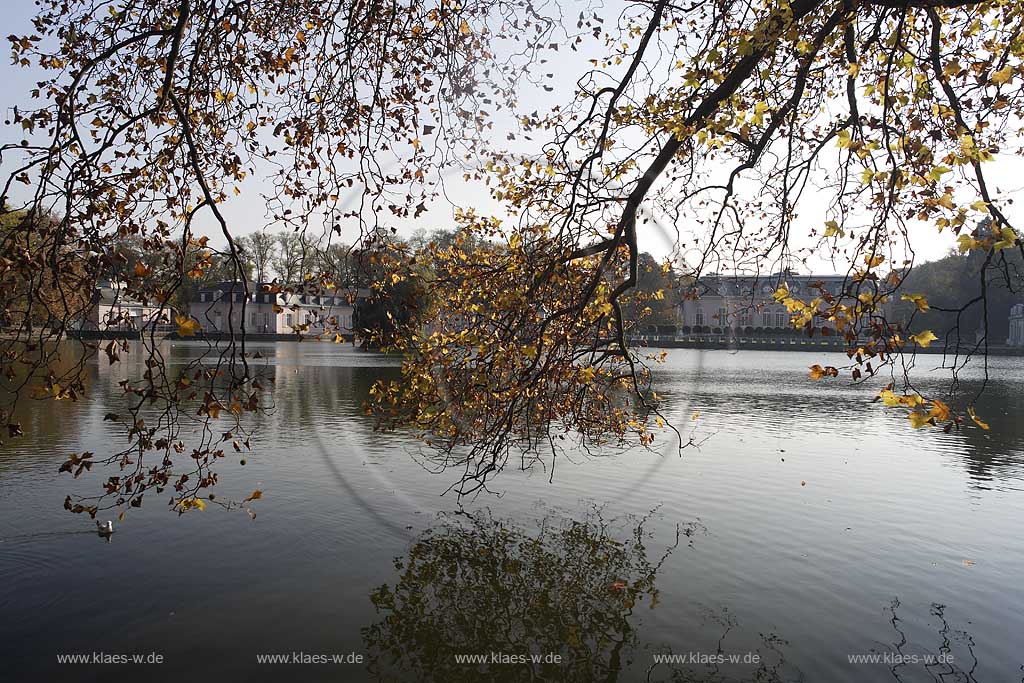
pixel 253 318
pixel 780 320
pixel 722 317
pixel 289 320
pixel 766 319
pixel 698 318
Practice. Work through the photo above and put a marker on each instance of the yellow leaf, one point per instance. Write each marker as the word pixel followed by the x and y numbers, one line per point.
pixel 889 398
pixel 1003 75
pixel 832 228
pixel 918 419
pixel 966 243
pixel 977 420
pixel 141 270
pixel 918 299
pixel 923 339
pixel 873 261
pixel 817 372
pixel 1009 239
pixel 187 326
pixel 587 375
pixel 940 411
pixel 464 28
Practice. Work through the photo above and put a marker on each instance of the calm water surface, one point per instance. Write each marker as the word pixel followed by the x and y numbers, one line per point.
pixel 809 525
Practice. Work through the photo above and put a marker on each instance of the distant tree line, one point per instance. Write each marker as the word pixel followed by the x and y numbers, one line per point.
pixel 950 284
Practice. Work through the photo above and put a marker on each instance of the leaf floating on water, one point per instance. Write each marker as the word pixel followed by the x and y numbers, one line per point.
pixel 803 483
pixel 255 495
pixel 968 563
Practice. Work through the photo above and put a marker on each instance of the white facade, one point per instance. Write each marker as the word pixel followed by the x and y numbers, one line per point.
pixel 219 309
pixel 112 310
pixel 737 302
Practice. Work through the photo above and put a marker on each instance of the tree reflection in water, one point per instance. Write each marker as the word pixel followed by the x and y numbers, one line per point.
pixel 478 585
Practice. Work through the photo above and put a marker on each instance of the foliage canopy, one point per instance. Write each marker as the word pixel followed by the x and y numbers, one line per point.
pixel 714 122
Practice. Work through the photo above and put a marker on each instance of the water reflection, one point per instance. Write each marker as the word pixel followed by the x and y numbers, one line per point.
pixel 483 598
pixel 568 595
pixel 769 392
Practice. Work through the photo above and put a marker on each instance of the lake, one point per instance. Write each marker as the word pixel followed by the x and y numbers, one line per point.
pixel 810 531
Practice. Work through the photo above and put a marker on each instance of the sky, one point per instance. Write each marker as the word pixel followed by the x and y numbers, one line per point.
pixel 246 213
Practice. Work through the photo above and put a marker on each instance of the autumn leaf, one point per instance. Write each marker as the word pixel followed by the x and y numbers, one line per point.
pixel 939 410
pixel 191 504
pixel 923 339
pixel 187 326
pixel 966 243
pixel 977 420
pixel 255 495
pixel 918 299
pixel 919 419
pixel 817 372
pixel 1003 75
pixel 141 270
pixel 892 399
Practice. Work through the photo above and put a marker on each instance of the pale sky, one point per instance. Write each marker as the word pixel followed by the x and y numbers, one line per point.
pixel 246 212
